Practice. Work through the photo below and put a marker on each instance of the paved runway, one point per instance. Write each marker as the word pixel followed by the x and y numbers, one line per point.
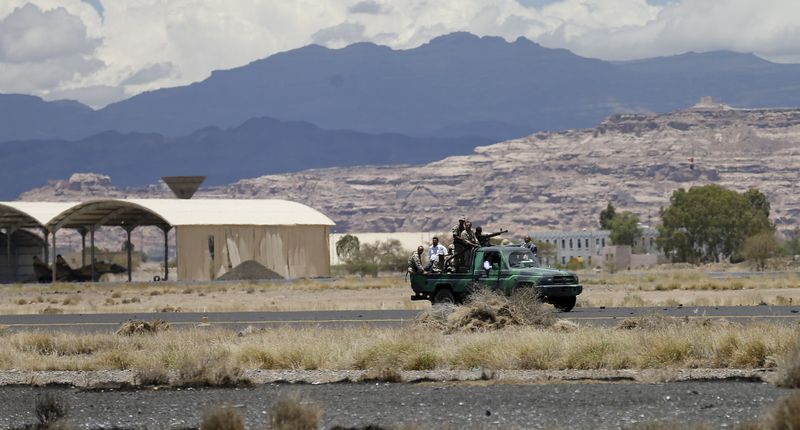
pixel 378 318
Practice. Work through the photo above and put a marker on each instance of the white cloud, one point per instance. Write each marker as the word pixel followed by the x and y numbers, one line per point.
pixel 369 7
pixel 151 73
pixel 343 34
pixel 42 49
pixel 140 45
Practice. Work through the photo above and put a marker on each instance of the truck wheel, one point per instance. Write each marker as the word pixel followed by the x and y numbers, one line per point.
pixel 563 304
pixel 444 295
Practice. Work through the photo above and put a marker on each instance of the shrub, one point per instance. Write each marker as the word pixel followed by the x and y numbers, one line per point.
pixel 152 376
pixel 49 409
pixel 222 418
pixel 292 412
pixel 789 367
pixel 137 327
pixel 785 415
pixel 211 372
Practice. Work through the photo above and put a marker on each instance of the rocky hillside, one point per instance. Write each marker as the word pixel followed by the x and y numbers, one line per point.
pixel 555 180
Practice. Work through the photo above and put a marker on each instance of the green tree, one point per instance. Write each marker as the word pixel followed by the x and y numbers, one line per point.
pixel 624 228
pixel 709 223
pixel 791 246
pixel 758 249
pixel 606 215
pixel 347 247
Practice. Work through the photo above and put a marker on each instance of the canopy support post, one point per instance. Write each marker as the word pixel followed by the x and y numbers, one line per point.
pixel 82 231
pixel 166 252
pixel 11 268
pixel 55 263
pixel 91 251
pixel 46 246
pixel 128 246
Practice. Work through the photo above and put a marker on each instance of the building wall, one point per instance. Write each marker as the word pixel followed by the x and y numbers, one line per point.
pixel 24 245
pixel 208 252
pixel 582 245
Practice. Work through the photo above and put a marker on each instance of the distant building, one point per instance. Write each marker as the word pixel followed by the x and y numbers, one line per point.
pixel 581 245
pixel 594 248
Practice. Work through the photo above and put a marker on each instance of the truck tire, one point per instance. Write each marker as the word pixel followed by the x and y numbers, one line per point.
pixel 563 304
pixel 444 295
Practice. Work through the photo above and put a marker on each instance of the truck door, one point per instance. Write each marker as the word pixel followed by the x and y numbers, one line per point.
pixel 504 274
pixel 488 274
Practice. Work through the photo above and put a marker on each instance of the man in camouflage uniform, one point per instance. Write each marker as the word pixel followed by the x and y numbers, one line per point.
pixel 458 248
pixel 415 261
pixel 468 241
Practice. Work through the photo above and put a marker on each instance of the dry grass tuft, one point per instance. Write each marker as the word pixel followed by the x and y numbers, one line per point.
pixel 293 412
pixel 564 326
pixel 789 367
pixel 657 322
pixel 49 410
pixel 211 372
pixel 222 418
pixel 386 374
pixel 486 310
pixel 51 310
pixel 152 376
pixel 138 327
pixel 71 301
pixel 785 415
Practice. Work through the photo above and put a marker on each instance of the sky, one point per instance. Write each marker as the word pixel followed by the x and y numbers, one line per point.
pixel 101 51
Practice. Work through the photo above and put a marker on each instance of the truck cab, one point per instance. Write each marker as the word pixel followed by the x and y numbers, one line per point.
pixel 502 268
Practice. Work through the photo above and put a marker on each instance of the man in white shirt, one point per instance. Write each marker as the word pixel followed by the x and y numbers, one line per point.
pixel 433 252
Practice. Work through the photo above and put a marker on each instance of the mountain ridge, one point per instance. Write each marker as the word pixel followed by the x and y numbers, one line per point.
pixel 453 82
pixel 545 181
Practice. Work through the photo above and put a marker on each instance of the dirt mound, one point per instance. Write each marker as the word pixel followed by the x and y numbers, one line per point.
pixel 249 271
pixel 134 327
pixel 489 310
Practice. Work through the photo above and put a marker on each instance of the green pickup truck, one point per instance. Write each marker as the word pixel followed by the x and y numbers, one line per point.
pixel 509 267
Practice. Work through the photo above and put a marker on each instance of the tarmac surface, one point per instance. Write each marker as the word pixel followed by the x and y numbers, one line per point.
pixel 379 318
pixel 429 405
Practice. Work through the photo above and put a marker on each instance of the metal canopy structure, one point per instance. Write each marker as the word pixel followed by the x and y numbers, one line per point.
pixel 16 215
pixel 87 217
pixel 111 213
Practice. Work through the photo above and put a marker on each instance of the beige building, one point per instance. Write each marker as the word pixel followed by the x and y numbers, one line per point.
pixel 213 236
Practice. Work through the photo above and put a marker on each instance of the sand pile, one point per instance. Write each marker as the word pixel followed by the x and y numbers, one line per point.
pixel 249 271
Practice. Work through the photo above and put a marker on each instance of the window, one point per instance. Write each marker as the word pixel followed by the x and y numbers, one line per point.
pixel 563 243
pixel 587 243
pixel 604 242
pixel 570 244
pixel 579 244
pixel 563 260
pixel 597 242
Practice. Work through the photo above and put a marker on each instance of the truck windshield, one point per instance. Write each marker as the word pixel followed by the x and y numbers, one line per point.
pixel 521 259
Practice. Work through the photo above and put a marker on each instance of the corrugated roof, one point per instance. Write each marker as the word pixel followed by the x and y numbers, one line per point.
pixel 178 212
pixel 30 214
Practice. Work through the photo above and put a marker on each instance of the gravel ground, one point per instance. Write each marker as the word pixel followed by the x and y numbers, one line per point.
pixel 431 405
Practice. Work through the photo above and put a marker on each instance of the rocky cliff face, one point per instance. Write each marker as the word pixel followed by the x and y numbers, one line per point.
pixel 557 180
